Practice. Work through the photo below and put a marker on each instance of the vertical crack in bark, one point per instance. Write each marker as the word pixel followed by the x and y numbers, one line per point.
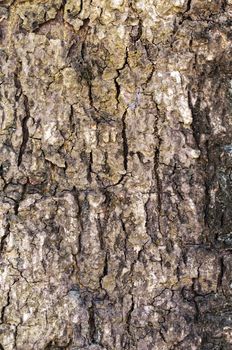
pixel 81 7
pixel 2 174
pixel 156 169
pixel 158 181
pixel 188 6
pixel 4 237
pixel 207 203
pixel 92 325
pixel 5 307
pixel 105 269
pixel 100 230
pixel 129 315
pixel 124 139
pixel 90 93
pixel 197 310
pixel 184 15
pixel 71 121
pixel 117 85
pixel 25 132
pixel 162 334
pixel 89 170
pixel 147 217
pixel 16 336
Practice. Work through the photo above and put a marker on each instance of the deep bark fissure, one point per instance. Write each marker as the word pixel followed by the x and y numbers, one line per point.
pixel 92 325
pixel 124 140
pixel 129 315
pixel 4 237
pixel 5 306
pixel 25 131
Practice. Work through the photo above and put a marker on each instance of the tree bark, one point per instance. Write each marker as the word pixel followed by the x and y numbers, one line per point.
pixel 116 158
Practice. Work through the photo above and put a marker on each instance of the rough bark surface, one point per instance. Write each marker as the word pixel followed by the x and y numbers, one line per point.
pixel 115 174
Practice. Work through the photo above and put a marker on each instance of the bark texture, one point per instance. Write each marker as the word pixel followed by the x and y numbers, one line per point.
pixel 115 174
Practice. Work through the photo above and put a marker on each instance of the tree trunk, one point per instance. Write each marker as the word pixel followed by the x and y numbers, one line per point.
pixel 116 183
